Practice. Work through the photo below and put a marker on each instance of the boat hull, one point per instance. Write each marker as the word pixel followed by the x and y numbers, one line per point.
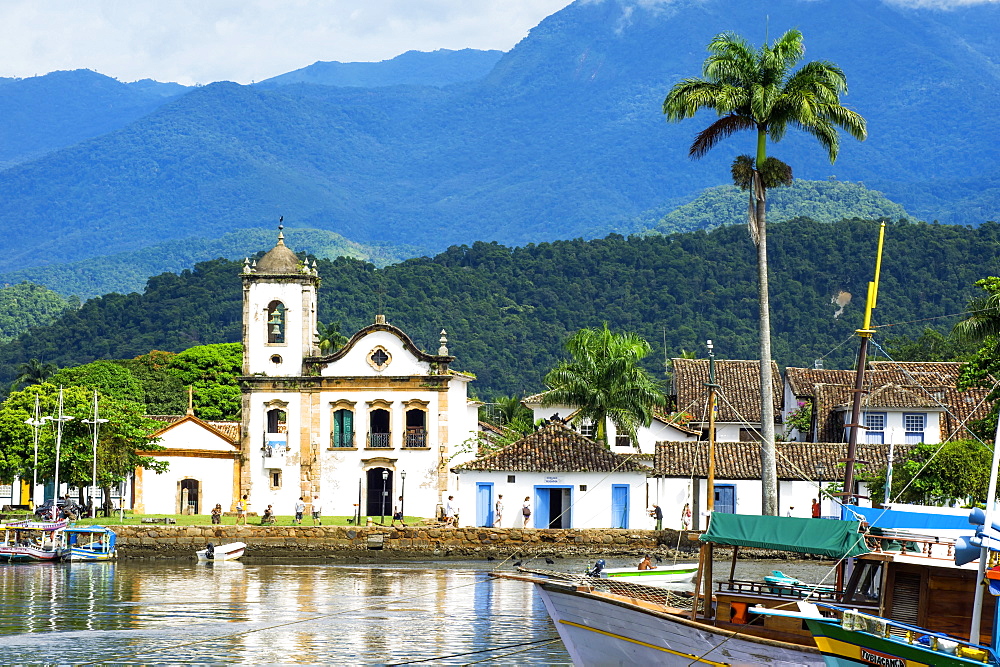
pixel 601 631
pixel 10 554
pixel 77 555
pixel 667 575
pixel 223 552
pixel 843 648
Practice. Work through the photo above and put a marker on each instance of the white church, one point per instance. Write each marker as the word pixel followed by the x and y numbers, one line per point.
pixel 358 428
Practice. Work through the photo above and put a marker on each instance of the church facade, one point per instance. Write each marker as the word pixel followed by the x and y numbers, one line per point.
pixel 356 429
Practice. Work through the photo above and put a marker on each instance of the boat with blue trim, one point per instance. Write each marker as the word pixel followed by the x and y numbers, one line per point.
pixel 90 544
pixel 33 541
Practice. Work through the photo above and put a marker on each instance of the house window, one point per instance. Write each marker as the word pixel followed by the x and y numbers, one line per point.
pixel 875 423
pixel 583 487
pixel 510 479
pixel 914 425
pixel 623 441
pixel 275 322
pixel 276 433
pixel 379 358
pixel 275 479
pixel 343 429
pixel 587 429
pixel 416 428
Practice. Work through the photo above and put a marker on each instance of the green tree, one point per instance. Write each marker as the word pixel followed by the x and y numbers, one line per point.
pixel 755 89
pixel 165 393
pixel 330 337
pixel 982 328
pixel 107 377
pixel 960 471
pixel 604 379
pixel 33 371
pixel 213 371
pixel 931 345
pixel 126 433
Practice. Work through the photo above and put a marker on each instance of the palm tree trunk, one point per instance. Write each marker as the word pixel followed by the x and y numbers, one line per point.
pixel 768 462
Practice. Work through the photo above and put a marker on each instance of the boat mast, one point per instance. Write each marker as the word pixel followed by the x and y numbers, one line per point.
pixel 865 334
pixel 707 551
pixel 95 423
pixel 991 496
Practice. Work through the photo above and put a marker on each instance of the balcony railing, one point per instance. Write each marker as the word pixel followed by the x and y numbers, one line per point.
pixel 379 440
pixel 342 439
pixel 416 438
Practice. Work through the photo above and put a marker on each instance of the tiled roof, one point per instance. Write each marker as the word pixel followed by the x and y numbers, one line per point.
pixel 534 399
pixel 740 389
pixel 664 416
pixel 228 429
pixel 913 384
pixel 555 448
pixel 741 460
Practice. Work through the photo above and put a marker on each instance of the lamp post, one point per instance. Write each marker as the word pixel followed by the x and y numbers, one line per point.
pixel 60 420
pixel 95 424
pixel 385 478
pixel 35 423
pixel 402 494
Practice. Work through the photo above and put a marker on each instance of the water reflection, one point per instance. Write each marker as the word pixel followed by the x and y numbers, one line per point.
pixel 269 613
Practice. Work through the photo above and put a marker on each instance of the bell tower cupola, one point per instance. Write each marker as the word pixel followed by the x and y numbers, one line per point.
pixel 279 312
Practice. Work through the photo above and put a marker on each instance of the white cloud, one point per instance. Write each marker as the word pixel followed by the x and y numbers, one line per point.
pixel 199 41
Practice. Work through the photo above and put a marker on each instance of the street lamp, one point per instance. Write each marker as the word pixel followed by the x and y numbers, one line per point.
pixel 95 424
pixel 35 423
pixel 59 420
pixel 385 478
pixel 402 494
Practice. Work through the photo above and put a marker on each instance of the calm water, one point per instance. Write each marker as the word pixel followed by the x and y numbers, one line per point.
pixel 182 612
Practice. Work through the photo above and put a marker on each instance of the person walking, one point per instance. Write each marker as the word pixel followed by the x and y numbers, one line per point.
pixel 686 516
pixel 526 511
pixel 397 514
pixel 449 511
pixel 817 510
pixel 498 512
pixel 317 511
pixel 300 508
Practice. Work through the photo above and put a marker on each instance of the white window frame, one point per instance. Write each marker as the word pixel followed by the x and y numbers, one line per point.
pixel 915 436
pixel 871 430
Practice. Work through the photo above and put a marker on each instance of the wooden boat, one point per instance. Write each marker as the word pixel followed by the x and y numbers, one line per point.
pixel 90 544
pixel 661 574
pixel 230 551
pixel 33 541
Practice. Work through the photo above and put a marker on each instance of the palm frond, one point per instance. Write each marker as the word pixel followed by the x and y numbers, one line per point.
pixel 742 170
pixel 717 131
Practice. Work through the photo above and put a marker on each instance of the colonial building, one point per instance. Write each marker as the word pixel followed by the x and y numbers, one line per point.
pixel 570 481
pixel 358 428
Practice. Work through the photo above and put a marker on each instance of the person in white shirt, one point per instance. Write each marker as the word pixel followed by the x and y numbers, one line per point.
pixel 498 514
pixel 300 508
pixel 449 511
pixel 317 509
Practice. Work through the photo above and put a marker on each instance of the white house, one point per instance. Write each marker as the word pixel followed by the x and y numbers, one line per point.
pixel 569 481
pixel 681 471
pixel 375 420
pixel 204 468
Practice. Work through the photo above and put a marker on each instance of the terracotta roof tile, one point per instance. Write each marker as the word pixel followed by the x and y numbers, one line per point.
pixel 555 448
pixel 739 382
pixel 741 460
pixel 228 429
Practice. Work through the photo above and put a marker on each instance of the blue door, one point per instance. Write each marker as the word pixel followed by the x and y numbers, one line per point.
pixel 619 505
pixel 725 499
pixel 484 504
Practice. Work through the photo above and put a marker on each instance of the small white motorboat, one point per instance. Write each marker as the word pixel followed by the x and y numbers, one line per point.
pixel 230 551
pixel 660 574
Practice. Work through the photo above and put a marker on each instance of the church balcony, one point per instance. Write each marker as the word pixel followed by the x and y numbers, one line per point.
pixel 342 439
pixel 379 440
pixel 416 438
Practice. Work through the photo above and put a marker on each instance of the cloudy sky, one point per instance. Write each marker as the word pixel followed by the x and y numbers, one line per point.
pixel 200 41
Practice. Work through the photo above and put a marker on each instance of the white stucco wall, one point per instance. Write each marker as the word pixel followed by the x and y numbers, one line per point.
pixel 300 324
pixel 588 509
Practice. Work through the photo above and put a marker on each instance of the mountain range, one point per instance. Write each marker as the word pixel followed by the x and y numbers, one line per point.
pixel 560 137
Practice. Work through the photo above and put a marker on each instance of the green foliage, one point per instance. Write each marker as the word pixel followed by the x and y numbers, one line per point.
pixel 822 201
pixel 212 370
pixel 125 433
pixel 25 305
pixel 33 371
pixel 509 310
pixel 982 328
pixel 107 377
pixel 604 380
pixel 931 345
pixel 164 392
pixel 958 470
pixel 799 419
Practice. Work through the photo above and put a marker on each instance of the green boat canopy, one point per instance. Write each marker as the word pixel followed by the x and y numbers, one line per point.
pixel 823 537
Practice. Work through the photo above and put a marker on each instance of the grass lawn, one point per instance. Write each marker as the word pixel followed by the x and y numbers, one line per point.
pixel 206 520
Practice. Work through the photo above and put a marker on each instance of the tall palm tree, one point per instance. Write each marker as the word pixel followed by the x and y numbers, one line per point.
pixel 605 381
pixel 330 337
pixel 755 89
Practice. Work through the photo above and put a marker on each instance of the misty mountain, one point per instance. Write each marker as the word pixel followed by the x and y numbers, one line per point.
pixel 563 138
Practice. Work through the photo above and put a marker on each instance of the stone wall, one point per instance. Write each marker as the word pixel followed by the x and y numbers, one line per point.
pixel 348 541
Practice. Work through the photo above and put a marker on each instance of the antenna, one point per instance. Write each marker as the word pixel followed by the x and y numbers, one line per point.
pixel 767 26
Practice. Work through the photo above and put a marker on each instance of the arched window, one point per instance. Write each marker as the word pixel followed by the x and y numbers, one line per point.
pixel 416 428
pixel 343 428
pixel 276 322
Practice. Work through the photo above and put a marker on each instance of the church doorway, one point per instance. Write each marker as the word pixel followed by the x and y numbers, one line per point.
pixel 188 497
pixel 378 500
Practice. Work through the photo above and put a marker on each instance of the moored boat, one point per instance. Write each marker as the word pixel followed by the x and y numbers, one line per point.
pixel 90 543
pixel 676 573
pixel 33 541
pixel 230 551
